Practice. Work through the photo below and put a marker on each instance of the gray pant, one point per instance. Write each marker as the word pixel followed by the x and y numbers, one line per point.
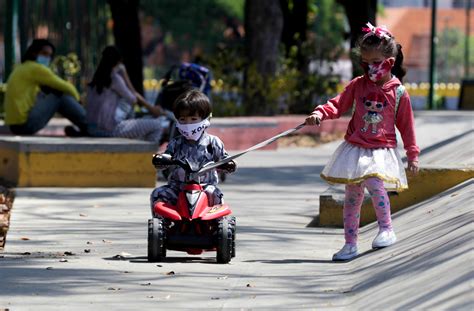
pixel 144 129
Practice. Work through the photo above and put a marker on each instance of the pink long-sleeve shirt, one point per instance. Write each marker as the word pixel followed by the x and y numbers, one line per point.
pixel 373 121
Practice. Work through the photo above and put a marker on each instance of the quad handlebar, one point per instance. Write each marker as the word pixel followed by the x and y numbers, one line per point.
pixel 165 160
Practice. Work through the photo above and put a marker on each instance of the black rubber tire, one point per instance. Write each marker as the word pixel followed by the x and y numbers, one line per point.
pixel 224 241
pixel 156 240
pixel 233 226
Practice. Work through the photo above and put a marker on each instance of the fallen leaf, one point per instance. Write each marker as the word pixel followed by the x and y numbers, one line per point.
pixel 170 273
pixel 454 194
pixel 126 272
pixel 167 297
pixel 122 256
pixel 69 253
pixel 83 215
pixel 87 250
pixel 24 238
pixel 249 285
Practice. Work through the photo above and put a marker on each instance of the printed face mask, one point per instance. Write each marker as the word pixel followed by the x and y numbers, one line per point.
pixel 43 60
pixel 377 71
pixel 193 131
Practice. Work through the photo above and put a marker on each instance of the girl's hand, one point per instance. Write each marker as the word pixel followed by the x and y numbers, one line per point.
pixel 313 119
pixel 413 167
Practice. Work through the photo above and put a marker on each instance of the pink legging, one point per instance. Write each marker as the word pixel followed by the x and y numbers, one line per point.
pixel 353 203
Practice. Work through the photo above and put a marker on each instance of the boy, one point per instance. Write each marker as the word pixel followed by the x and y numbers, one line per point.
pixel 192 111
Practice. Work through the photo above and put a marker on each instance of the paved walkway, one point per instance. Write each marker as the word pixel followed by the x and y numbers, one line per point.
pixel 62 249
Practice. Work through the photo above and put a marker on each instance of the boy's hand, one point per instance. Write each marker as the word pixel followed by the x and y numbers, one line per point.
pixel 162 161
pixel 313 119
pixel 228 167
pixel 413 167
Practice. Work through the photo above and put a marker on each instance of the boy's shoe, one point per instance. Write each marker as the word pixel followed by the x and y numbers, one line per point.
pixel 347 252
pixel 384 238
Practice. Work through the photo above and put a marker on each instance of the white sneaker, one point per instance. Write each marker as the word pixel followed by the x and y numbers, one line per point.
pixel 384 238
pixel 347 252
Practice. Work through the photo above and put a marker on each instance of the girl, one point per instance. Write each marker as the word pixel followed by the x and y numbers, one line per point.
pixel 368 157
pixel 110 101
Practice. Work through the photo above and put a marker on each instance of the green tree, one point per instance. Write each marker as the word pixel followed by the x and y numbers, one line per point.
pixel 322 48
pixel 192 25
pixel 358 14
pixel 296 85
pixel 295 28
pixel 128 38
pixel 450 55
pixel 263 28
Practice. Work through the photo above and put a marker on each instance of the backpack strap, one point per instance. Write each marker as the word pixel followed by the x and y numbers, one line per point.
pixel 399 93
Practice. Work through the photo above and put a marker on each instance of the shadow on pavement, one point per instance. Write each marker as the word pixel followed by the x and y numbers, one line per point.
pixel 144 259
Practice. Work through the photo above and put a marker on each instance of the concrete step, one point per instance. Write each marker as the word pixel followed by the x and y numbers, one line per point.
pixel 34 161
pixel 428 182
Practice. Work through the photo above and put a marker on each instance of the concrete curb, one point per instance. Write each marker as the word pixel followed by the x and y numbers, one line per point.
pixel 428 182
pixel 66 162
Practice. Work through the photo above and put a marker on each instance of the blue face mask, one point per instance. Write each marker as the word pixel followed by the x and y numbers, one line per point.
pixel 43 60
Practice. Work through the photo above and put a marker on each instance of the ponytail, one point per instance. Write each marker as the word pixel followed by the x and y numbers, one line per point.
pixel 398 70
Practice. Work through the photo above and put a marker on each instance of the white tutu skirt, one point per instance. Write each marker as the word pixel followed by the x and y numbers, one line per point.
pixel 351 164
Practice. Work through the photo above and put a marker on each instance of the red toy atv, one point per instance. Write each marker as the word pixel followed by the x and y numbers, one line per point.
pixel 191 225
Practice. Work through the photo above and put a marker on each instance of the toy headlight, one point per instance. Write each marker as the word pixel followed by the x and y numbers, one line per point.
pixel 193 196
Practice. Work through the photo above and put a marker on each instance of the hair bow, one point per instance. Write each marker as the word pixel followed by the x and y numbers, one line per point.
pixel 381 32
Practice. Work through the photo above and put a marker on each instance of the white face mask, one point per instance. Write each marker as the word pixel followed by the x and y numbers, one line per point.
pixel 193 131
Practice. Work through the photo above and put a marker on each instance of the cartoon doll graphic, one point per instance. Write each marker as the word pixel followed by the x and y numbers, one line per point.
pixel 374 105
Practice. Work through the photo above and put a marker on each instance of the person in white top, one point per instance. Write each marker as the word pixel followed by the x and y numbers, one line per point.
pixel 111 99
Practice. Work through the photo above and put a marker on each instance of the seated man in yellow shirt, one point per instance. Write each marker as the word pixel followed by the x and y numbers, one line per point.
pixel 34 94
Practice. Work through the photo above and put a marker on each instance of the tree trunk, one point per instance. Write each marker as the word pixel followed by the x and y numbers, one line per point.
pixel 358 14
pixel 295 25
pixel 263 26
pixel 128 38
